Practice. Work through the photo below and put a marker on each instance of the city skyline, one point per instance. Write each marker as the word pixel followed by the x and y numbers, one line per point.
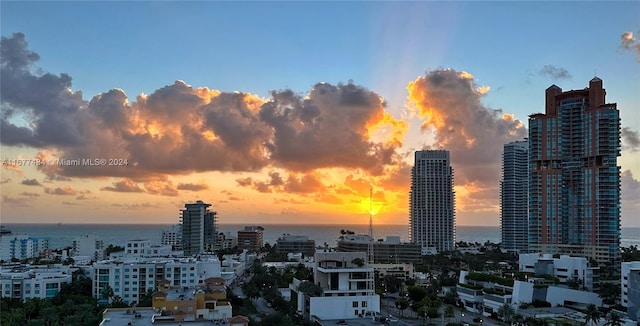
pixel 194 97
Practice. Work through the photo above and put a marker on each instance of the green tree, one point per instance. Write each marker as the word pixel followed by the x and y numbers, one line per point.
pixel 15 316
pixel 310 289
pixel 416 293
pixel 613 319
pixel 609 292
pixel 147 299
pixel 518 319
pixel 277 319
pixel 592 314
pixel 117 302
pixel 111 249
pixel 107 292
pixel 303 273
pixel 50 315
pixel 506 312
pixel 451 297
pixel 250 290
pixel 449 312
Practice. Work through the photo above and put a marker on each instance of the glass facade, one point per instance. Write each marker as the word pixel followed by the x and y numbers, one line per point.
pixel 574 180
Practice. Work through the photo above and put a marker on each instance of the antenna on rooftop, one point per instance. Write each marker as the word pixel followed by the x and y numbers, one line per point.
pixel 370 249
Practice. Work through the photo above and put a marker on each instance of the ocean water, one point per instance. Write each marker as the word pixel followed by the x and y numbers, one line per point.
pixel 62 236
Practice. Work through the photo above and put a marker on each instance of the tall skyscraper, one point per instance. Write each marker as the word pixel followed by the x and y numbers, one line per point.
pixel 574 185
pixel 198 228
pixel 514 197
pixel 432 201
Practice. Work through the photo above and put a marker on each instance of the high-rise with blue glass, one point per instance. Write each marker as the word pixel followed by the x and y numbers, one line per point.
pixel 574 178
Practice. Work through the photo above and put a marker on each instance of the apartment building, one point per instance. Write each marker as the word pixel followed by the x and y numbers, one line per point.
pixel 343 288
pixel 132 278
pixel 25 281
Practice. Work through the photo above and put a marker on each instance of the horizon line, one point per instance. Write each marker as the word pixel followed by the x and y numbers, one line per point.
pixel 249 224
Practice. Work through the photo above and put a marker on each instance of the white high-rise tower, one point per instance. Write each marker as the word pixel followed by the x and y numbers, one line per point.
pixel 514 197
pixel 432 201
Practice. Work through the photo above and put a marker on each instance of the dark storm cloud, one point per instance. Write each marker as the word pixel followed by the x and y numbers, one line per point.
pixel 630 139
pixel 555 73
pixel 31 182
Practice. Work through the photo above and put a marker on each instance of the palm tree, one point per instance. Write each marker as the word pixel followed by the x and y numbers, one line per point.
pixel 592 314
pixel 518 319
pixel 506 312
pixel 613 319
pixel 250 290
pixel 107 293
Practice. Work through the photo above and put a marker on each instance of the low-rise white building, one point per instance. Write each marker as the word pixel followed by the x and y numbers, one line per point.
pixel 565 268
pixel 487 294
pixel 172 237
pixel 343 288
pixel 21 246
pixel 144 248
pixel 630 288
pixel 88 245
pixel 132 278
pixel 25 282
pixel 226 241
pixel 402 272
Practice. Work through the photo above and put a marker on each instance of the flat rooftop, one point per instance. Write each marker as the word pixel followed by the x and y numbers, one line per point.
pixel 180 294
pixel 364 321
pixel 124 316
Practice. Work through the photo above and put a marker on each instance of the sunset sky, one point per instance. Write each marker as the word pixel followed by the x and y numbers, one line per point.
pixel 288 112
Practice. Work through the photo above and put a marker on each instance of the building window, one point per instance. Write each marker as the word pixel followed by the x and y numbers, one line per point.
pixel 354 304
pixel 364 304
pixel 355 312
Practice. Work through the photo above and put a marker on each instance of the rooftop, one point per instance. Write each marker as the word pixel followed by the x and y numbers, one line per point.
pixel 351 322
pixel 144 317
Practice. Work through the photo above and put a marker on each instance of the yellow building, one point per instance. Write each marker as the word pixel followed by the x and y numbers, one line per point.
pixel 204 302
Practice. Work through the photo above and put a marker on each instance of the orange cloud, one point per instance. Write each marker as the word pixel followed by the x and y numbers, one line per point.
pixel 449 101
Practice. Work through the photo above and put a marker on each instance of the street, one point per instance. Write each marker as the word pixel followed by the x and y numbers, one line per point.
pixel 388 308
